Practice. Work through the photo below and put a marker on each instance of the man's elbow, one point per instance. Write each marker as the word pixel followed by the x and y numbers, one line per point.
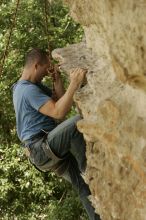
pixel 58 113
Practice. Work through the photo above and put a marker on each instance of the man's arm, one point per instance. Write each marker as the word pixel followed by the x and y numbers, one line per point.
pixel 59 109
pixel 58 88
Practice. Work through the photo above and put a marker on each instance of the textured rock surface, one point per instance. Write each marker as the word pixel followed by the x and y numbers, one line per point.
pixel 113 102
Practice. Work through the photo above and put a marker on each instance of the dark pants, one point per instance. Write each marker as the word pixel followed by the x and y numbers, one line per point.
pixel 64 139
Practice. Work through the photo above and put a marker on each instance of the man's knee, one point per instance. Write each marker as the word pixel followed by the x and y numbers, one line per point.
pixel 75 119
pixel 71 123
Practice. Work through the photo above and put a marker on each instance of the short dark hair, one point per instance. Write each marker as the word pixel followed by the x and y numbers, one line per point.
pixel 38 55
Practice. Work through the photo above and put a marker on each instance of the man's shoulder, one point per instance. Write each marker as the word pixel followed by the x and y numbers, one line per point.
pixel 23 89
pixel 22 85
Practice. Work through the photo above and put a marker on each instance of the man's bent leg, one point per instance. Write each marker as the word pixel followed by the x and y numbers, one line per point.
pixel 66 138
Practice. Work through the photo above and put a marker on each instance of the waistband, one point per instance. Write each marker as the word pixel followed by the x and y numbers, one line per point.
pixel 35 138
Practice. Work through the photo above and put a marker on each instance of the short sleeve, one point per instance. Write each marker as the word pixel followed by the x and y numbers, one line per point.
pixel 35 97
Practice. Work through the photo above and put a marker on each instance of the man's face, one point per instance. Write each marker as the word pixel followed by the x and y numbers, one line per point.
pixel 42 71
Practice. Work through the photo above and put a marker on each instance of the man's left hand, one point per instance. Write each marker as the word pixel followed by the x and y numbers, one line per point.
pixel 55 73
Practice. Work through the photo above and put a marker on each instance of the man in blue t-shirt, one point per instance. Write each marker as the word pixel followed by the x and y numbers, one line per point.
pixel 51 146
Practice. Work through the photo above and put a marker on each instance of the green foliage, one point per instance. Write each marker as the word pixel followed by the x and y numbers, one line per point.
pixel 25 193
pixel 29 32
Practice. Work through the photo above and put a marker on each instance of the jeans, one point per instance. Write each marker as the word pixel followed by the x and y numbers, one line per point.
pixel 63 139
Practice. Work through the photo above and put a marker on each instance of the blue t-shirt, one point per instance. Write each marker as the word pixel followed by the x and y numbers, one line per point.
pixel 27 99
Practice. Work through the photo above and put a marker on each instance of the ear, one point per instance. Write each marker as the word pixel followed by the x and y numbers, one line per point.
pixel 36 66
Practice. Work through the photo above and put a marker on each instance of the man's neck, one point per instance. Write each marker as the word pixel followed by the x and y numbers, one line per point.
pixel 28 75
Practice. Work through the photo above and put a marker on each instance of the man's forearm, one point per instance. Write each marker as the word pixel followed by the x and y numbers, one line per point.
pixel 65 102
pixel 59 88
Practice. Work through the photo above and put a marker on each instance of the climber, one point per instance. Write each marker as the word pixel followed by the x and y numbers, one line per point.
pixel 50 145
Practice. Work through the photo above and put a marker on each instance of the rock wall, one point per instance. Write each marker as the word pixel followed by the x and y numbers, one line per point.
pixel 113 102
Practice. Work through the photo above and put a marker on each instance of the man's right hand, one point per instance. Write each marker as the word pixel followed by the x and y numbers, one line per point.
pixel 77 76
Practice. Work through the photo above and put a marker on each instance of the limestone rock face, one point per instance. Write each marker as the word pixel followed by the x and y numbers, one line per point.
pixel 112 102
